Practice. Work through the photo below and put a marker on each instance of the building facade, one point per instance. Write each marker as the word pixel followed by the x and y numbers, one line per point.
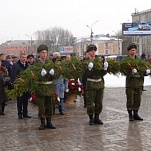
pixel 105 45
pixel 144 42
pixel 16 47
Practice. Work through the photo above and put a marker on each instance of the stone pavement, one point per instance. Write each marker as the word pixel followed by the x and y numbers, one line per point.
pixel 73 132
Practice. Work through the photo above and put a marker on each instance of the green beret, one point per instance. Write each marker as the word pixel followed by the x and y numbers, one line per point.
pixel 91 47
pixel 131 45
pixel 41 48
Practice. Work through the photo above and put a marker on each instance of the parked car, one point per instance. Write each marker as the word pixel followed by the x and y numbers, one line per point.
pixel 120 58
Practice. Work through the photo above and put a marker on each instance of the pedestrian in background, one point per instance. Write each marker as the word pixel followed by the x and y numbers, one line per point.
pixel 3 95
pixel 22 101
pixel 143 57
pixel 61 85
pixel 30 59
pixel 134 83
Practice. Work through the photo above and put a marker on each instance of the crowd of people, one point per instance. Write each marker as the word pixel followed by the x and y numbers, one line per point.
pixel 93 82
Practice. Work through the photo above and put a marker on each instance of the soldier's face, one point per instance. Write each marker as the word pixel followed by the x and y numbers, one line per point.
pixel 92 53
pixel 43 54
pixel 132 52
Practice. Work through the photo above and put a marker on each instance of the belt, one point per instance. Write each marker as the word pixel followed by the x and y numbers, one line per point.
pixel 47 82
pixel 94 80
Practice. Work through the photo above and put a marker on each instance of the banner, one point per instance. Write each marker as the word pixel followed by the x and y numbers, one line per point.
pixel 136 29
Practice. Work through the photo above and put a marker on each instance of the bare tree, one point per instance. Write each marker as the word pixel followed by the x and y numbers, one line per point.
pixel 54 38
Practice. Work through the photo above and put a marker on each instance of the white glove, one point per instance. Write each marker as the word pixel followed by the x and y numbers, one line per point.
pixel 106 65
pixel 134 71
pixel 66 90
pixel 147 71
pixel 52 72
pixel 43 72
pixel 90 66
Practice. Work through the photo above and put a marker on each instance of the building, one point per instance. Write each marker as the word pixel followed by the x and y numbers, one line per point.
pixel 16 47
pixel 105 45
pixel 144 42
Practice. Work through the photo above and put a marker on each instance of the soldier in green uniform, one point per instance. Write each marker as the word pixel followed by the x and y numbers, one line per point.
pixel 134 83
pixel 94 87
pixel 45 92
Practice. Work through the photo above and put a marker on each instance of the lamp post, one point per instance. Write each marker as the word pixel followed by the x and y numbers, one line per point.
pixel 30 42
pixel 118 41
pixel 90 27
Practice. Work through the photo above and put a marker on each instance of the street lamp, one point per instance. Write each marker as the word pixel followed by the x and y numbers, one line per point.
pixel 118 42
pixel 30 41
pixel 90 27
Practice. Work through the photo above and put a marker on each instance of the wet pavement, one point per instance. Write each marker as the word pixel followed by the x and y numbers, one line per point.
pixel 73 132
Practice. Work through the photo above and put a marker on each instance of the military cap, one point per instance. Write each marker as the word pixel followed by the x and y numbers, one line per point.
pixel 41 48
pixel 30 56
pixel 91 47
pixel 131 45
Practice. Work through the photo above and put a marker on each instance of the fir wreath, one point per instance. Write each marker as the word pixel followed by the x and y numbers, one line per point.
pixel 72 69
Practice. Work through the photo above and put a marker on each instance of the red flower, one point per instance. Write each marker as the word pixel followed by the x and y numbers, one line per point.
pixel 75 87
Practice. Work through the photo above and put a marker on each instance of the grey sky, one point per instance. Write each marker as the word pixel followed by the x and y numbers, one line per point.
pixel 20 17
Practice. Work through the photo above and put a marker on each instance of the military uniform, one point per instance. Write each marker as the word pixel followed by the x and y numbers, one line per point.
pixel 94 91
pixel 134 83
pixel 45 95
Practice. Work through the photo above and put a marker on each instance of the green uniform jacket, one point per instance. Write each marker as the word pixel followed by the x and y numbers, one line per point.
pixel 95 75
pixel 134 80
pixel 44 89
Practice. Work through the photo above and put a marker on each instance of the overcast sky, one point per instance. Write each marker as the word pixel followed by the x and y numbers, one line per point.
pixel 21 17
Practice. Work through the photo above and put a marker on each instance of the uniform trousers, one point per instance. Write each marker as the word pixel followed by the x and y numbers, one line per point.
pixel 94 99
pixel 45 106
pixel 133 98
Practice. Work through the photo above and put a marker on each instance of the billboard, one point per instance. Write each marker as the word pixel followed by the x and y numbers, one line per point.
pixel 136 29
pixel 65 48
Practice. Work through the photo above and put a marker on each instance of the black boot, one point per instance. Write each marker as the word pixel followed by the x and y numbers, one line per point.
pixel 131 118
pixel 97 120
pixel 49 124
pixel 91 122
pixel 42 126
pixel 3 108
pixel 136 116
pixel 20 116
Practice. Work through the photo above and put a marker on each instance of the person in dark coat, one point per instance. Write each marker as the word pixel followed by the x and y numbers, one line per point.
pixel 143 57
pixel 3 95
pixel 22 101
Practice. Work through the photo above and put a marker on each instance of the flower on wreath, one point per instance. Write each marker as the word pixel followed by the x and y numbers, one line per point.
pixel 75 87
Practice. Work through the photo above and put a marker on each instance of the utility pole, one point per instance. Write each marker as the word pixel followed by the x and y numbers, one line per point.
pixel 90 27
pixel 30 42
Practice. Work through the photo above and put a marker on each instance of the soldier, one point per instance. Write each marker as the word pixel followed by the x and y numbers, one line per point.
pixel 134 83
pixel 94 87
pixel 45 92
